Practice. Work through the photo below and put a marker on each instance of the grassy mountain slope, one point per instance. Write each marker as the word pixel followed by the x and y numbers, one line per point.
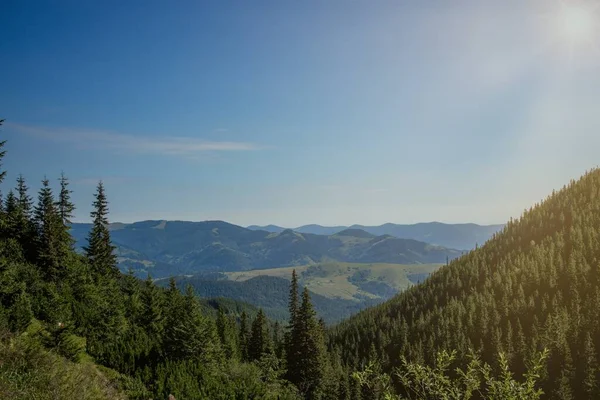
pixel 166 248
pixel 349 281
pixel 536 284
pixel 29 371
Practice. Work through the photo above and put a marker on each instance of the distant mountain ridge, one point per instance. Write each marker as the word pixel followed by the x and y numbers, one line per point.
pixel 458 236
pixel 167 248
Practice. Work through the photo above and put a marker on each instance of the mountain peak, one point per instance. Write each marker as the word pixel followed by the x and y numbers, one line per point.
pixel 359 233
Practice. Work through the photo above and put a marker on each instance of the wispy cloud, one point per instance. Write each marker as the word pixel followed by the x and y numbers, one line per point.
pixel 163 145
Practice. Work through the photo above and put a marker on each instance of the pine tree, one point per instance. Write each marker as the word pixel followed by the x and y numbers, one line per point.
pixel 243 336
pixel 100 251
pixel 260 343
pixel 152 318
pixel 47 226
pixel 65 211
pixel 311 350
pixel 226 331
pixel 292 350
pixel 590 372
pixel 11 208
pixel 133 297
pixel 2 176
pixel 25 200
pixel 2 154
pixel 25 230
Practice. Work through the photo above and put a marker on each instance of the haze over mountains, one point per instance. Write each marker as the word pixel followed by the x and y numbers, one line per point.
pixel 167 248
pixel 457 236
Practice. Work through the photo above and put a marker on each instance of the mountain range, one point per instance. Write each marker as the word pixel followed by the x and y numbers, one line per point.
pixel 167 248
pixel 457 236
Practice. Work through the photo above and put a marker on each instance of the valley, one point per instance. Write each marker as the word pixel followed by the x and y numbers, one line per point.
pixel 170 248
pixel 338 290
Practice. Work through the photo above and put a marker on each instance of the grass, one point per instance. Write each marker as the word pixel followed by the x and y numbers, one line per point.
pixel 344 280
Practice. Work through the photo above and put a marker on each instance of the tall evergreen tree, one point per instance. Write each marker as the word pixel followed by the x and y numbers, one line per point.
pixel 11 208
pixel 65 208
pixel 25 230
pixel 311 361
pixel 100 251
pixel 152 317
pixel 227 334
pixel 243 336
pixel 25 200
pixel 2 154
pixel 292 349
pixel 2 176
pixel 260 343
pixel 590 369
pixel 47 225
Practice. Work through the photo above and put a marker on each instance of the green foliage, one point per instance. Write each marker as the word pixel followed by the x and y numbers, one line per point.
pixel 260 341
pixel 476 381
pixel 28 371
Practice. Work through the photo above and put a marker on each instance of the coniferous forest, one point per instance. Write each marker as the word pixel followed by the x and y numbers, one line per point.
pixel 517 318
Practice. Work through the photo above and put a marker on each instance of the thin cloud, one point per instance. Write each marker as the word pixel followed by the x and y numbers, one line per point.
pixel 165 145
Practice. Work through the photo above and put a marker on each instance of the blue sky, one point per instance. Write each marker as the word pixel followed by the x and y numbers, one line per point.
pixel 330 112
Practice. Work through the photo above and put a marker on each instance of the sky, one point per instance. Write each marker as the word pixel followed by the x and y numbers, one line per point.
pixel 333 112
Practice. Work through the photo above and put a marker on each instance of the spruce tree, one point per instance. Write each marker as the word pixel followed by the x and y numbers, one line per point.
pixel 226 331
pixel 292 350
pixel 25 201
pixel 260 343
pixel 11 208
pixel 100 251
pixel 311 361
pixel 65 211
pixel 590 369
pixel 2 154
pixel 25 230
pixel 47 225
pixel 243 336
pixel 152 317
pixel 2 176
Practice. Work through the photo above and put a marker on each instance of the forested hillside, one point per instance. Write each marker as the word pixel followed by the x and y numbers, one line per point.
pixel 168 248
pixel 534 285
pixel 271 294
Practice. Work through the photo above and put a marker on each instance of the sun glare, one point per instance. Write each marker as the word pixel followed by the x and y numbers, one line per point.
pixel 578 23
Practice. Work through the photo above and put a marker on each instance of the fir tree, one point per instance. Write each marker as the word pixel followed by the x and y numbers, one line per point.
pixel 243 336
pixel 311 362
pixel 260 343
pixel 11 208
pixel 25 230
pixel 226 331
pixel 152 317
pixel 100 251
pixel 2 154
pixel 590 369
pixel 292 350
pixel 25 201
pixel 47 226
